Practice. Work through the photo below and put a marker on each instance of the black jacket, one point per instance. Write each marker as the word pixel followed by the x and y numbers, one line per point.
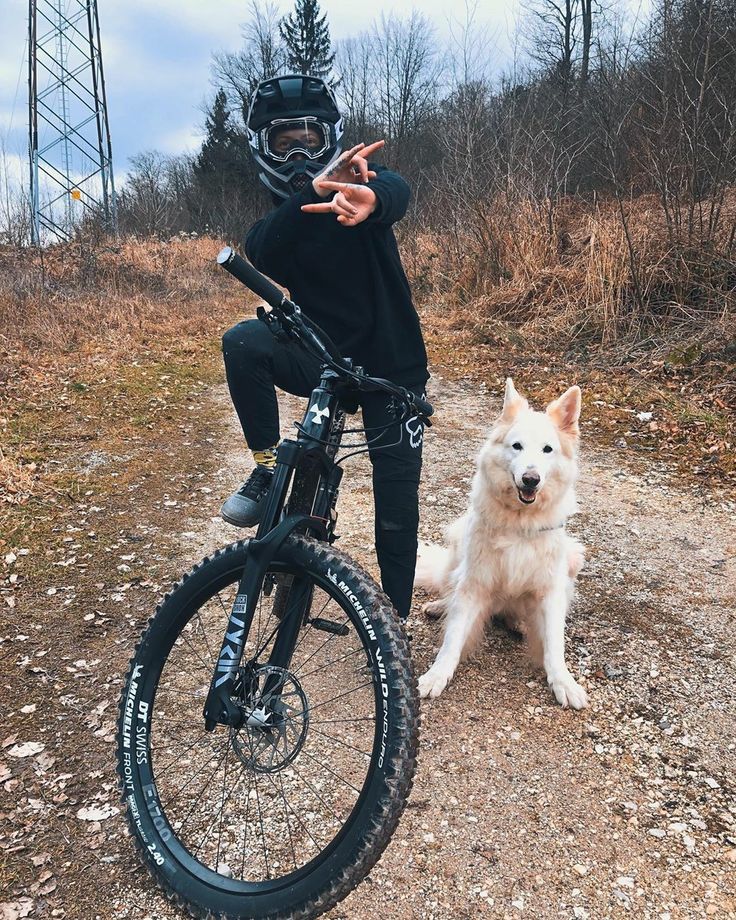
pixel 349 280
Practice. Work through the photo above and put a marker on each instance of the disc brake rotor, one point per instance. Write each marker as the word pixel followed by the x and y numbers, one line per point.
pixel 276 719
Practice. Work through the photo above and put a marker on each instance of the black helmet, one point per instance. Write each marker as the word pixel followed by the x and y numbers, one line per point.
pixel 293 114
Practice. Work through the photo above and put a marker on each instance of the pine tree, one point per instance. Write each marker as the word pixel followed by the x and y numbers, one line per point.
pixel 307 38
pixel 221 154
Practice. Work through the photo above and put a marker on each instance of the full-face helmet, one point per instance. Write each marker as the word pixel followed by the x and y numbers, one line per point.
pixel 294 131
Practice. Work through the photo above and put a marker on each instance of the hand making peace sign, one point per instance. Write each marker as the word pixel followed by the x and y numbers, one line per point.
pixel 352 204
pixel 348 176
pixel 351 166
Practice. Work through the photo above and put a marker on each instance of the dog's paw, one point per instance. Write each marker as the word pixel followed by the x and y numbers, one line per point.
pixel 568 692
pixel 433 682
pixel 433 610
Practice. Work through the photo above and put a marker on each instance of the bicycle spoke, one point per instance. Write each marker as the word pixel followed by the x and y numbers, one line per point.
pixel 201 790
pixel 314 791
pixel 340 741
pixel 315 652
pixel 339 696
pixel 181 754
pixel 206 640
pixel 330 770
pixel 222 806
pixel 288 825
pixel 329 664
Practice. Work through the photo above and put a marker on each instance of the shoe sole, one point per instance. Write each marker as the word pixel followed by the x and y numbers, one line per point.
pixel 234 523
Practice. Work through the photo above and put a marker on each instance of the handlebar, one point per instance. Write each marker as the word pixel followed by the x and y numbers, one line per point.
pixel 250 277
pixel 308 332
pixel 423 407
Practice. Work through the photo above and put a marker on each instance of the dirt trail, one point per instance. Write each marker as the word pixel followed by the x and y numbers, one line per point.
pixel 519 808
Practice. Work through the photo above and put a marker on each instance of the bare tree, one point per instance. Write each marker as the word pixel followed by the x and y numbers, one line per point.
pixel 471 47
pixel 15 211
pixel 408 69
pixel 555 36
pixel 263 54
pixel 356 88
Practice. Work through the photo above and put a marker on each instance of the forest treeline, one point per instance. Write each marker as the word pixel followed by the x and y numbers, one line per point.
pixel 600 167
pixel 601 116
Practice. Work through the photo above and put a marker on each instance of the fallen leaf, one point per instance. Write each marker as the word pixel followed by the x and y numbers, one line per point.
pixel 93 813
pixel 29 749
pixel 14 910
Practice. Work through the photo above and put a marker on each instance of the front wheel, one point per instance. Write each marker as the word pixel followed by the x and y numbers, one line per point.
pixel 284 816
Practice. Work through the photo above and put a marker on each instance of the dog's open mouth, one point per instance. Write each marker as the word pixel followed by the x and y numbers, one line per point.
pixel 527 496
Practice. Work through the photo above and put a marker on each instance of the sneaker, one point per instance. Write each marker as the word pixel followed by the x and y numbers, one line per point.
pixel 245 507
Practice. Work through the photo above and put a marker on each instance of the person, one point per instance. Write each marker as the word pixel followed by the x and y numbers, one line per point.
pixel 329 241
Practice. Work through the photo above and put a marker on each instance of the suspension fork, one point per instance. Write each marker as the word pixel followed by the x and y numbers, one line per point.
pixel 326 419
pixel 219 706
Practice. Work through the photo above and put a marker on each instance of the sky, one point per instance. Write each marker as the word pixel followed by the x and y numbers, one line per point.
pixel 157 58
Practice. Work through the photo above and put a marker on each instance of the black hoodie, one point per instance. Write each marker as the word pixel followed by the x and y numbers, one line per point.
pixel 349 280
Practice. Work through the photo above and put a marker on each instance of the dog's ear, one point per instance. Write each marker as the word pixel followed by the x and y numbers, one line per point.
pixel 565 411
pixel 513 402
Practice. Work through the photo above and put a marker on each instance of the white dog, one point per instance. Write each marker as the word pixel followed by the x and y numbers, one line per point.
pixel 509 552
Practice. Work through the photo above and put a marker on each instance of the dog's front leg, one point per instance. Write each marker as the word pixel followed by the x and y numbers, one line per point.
pixel 552 629
pixel 464 617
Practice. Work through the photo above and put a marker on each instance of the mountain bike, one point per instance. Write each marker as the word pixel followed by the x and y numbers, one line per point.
pixel 268 723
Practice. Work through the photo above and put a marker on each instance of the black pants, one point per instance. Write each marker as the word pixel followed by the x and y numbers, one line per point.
pixel 254 362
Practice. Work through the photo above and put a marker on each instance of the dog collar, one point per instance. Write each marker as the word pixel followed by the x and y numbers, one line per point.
pixel 555 527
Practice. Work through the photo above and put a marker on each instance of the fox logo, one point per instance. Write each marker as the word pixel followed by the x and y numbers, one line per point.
pixel 415 430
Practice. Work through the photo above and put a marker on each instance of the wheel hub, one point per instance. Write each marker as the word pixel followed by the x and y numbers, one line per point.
pixel 275 718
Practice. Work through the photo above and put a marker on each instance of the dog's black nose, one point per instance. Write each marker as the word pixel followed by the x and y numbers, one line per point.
pixel 531 480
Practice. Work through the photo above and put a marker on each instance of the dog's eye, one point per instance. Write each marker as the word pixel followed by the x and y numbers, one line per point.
pixel 516 445
pixel 547 449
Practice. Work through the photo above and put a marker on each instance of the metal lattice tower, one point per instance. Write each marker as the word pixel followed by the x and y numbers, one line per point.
pixel 69 133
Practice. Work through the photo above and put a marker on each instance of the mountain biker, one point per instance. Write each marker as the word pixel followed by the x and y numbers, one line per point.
pixel 329 241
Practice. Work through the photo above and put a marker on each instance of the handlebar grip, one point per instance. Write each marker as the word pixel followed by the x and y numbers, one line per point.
pixel 250 276
pixel 423 407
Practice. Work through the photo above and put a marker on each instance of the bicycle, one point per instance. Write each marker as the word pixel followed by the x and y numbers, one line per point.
pixel 265 781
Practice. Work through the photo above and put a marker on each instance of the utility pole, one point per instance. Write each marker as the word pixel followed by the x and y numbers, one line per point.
pixel 68 129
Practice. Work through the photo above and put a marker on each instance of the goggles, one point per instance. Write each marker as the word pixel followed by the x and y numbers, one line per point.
pixel 287 136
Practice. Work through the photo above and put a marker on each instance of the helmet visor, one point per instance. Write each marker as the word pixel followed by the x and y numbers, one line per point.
pixel 285 137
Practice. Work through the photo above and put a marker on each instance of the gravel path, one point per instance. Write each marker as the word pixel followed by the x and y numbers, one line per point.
pixel 519 808
pixel 522 808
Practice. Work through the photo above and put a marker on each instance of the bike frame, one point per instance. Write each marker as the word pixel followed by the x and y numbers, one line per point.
pixel 319 438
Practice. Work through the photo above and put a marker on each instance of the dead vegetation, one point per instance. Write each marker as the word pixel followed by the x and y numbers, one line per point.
pixel 76 316
pixel 578 294
pixel 520 289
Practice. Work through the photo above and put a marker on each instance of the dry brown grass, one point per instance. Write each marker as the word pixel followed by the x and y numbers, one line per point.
pixel 516 287
pixel 81 312
pixel 65 297
pixel 570 272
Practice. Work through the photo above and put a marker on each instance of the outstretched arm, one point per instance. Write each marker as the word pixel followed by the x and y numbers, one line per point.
pixel 275 235
pixel 383 200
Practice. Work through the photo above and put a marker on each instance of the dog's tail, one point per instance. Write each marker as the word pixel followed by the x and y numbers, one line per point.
pixel 432 567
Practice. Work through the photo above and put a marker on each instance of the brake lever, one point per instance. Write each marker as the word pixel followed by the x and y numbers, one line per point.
pixel 274 323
